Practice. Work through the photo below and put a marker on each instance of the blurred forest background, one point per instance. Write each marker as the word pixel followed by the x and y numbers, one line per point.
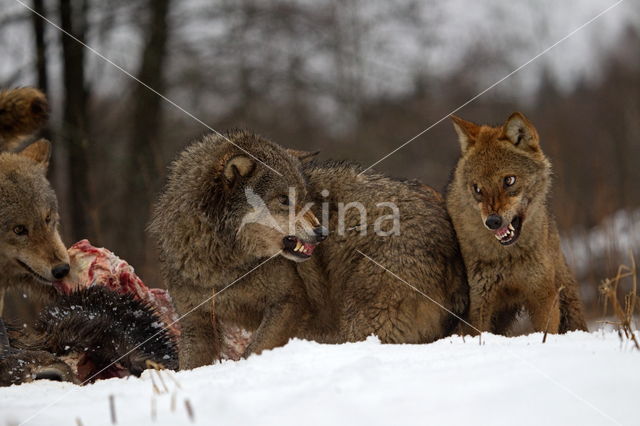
pixel 352 78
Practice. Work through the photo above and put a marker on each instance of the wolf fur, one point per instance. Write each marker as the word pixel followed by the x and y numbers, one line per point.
pixel 23 112
pixel 497 200
pixel 424 254
pixel 32 254
pixel 338 295
pixel 203 248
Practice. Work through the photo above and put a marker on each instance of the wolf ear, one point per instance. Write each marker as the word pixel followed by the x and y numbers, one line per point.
pixel 303 156
pixel 39 151
pixel 467 132
pixel 521 132
pixel 237 168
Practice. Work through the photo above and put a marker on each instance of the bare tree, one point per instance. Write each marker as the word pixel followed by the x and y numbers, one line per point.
pixel 145 163
pixel 40 46
pixel 75 126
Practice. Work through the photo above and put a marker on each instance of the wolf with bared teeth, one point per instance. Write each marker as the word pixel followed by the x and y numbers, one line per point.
pixel 509 240
pixel 280 281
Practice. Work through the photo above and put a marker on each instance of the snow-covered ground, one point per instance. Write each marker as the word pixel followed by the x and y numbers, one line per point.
pixel 577 379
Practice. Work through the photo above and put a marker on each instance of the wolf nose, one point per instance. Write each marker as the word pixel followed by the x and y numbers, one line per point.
pixel 493 221
pixel 321 233
pixel 60 271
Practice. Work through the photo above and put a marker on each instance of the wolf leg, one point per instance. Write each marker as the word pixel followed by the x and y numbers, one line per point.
pixel 200 344
pixel 278 325
pixel 503 320
pixel 481 306
pixel 571 312
pixel 545 313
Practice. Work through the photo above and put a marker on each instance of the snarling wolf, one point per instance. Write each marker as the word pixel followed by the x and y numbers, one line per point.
pixel 23 111
pixel 32 254
pixel 322 290
pixel 497 200
pixel 90 334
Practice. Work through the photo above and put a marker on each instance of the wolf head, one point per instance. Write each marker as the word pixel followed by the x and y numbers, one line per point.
pixel 22 112
pixel 249 190
pixel 502 173
pixel 31 250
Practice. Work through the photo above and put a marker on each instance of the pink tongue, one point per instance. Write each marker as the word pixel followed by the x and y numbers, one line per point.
pixel 502 230
pixel 308 248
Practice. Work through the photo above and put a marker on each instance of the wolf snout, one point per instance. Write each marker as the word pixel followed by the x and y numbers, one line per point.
pixel 321 233
pixel 60 271
pixel 493 222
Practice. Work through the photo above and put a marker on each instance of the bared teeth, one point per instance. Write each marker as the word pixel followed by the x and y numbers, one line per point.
pixel 507 235
pixel 298 246
pixel 511 227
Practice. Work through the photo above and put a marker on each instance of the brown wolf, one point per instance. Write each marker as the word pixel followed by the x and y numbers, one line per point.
pixel 340 295
pixel 32 254
pixel 510 245
pixel 22 112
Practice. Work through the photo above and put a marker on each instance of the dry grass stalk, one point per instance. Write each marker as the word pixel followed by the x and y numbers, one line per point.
pixel 164 385
pixel 112 409
pixel 173 378
pixel 624 312
pixel 156 390
pixel 189 407
pixel 154 409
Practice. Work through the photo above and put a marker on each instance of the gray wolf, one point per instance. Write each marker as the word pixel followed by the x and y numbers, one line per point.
pixel 316 289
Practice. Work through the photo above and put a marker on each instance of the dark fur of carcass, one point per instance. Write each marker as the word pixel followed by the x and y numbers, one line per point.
pixel 96 332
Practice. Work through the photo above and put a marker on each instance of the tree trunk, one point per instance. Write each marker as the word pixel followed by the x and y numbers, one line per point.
pixel 145 162
pixel 40 46
pixel 75 126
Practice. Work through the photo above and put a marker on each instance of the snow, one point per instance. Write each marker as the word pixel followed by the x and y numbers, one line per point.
pixel 578 378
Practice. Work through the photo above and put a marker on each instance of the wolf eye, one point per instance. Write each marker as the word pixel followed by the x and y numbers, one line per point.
pixel 20 230
pixel 509 180
pixel 284 200
pixel 477 189
pixel 47 219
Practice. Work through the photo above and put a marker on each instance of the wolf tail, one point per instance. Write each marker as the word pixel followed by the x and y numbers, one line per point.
pixel 23 111
pixel 113 332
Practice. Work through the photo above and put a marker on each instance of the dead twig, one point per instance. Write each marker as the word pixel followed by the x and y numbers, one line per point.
pixel 189 407
pixel 154 409
pixel 112 409
pixel 624 312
